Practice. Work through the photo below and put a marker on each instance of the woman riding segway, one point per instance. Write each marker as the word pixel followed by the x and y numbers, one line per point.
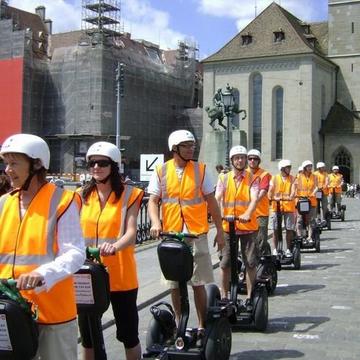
pixel 108 219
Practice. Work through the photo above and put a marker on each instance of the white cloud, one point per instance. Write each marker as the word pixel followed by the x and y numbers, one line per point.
pixel 139 18
pixel 243 11
pixel 65 16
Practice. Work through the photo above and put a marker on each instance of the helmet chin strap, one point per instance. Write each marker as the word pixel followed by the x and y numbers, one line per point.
pixel 32 173
pixel 178 152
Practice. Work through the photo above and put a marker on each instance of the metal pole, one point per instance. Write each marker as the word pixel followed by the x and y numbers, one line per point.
pixel 118 106
pixel 227 160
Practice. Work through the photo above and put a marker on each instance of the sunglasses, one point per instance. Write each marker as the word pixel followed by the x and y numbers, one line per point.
pixel 100 163
pixel 253 159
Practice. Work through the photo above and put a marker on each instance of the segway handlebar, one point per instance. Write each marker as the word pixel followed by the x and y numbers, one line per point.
pixel 93 253
pixel 177 235
pixel 231 218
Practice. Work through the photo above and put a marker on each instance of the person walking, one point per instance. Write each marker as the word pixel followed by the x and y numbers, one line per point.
pixel 283 189
pixel 238 193
pixel 41 243
pixel 262 206
pixel 186 192
pixel 109 220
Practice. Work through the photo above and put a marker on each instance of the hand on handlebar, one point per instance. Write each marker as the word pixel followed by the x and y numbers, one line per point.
pixel 244 218
pixel 107 249
pixel 29 281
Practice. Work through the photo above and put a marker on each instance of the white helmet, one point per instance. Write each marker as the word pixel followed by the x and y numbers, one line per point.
pixel 105 148
pixel 320 165
pixel 306 163
pixel 300 168
pixel 254 152
pixel 31 145
pixel 237 150
pixel 335 167
pixel 284 163
pixel 179 136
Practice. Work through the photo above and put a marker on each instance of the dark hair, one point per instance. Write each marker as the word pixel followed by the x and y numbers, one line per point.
pixel 4 184
pixel 116 182
pixel 219 168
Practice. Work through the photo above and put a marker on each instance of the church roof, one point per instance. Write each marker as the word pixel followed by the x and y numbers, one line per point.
pixel 299 37
pixel 341 120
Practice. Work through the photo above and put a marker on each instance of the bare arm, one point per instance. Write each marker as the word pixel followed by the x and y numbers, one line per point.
pixel 216 215
pixel 153 210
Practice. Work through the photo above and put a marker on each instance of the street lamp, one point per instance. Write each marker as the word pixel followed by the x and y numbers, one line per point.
pixel 228 100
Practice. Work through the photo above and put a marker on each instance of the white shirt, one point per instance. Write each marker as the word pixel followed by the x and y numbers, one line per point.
pixel 155 189
pixel 71 255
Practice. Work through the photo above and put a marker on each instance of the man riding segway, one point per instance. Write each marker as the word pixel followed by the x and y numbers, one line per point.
pixel 322 194
pixel 336 181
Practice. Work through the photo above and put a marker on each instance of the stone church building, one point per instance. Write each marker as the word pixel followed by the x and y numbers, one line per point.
pixel 299 84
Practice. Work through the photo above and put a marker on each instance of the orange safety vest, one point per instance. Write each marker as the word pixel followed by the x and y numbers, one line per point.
pixel 262 207
pixel 108 225
pixel 321 179
pixel 27 243
pixel 335 181
pixel 236 200
pixel 183 201
pixel 306 186
pixel 283 187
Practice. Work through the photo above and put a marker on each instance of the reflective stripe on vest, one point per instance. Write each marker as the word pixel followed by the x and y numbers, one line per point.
pixel 107 224
pixel 306 187
pixel 34 243
pixel 321 180
pixel 262 207
pixel 183 201
pixel 282 188
pixel 236 200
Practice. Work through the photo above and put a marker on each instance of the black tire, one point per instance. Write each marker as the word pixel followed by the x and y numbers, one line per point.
pixel 218 344
pixel 268 270
pixel 261 309
pixel 328 221
pixel 297 258
pixel 154 334
pixel 213 295
pixel 143 235
pixel 138 237
pixel 342 215
pixel 317 242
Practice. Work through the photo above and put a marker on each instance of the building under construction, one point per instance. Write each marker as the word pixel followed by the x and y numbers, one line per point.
pixel 63 86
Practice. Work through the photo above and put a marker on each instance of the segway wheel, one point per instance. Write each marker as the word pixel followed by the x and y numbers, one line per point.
pixel 261 310
pixel 213 295
pixel 268 270
pixel 317 242
pixel 342 215
pixel 155 335
pixel 328 221
pixel 218 344
pixel 297 258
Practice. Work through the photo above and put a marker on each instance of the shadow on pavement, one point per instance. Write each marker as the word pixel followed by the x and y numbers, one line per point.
pixel 267 354
pixel 296 289
pixel 317 266
pixel 335 250
pixel 298 324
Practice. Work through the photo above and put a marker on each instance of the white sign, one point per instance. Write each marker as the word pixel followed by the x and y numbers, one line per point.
pixel 148 162
pixel 5 343
pixel 83 289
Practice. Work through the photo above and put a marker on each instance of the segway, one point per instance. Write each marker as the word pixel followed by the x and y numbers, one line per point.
pixel 295 258
pixel 257 317
pixel 340 213
pixel 19 330
pixel 167 341
pixel 92 289
pixel 326 222
pixel 303 208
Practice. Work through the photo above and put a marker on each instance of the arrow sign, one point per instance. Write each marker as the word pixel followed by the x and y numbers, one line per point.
pixel 149 167
pixel 148 163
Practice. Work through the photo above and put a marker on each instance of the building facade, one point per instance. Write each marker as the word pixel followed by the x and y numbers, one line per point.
pixel 299 84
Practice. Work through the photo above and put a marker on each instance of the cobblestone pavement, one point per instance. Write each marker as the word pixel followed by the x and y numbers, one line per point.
pixel 314 313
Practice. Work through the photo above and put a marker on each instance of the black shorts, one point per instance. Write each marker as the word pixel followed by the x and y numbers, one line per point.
pixel 126 318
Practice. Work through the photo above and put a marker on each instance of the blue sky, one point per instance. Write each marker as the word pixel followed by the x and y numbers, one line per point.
pixel 208 23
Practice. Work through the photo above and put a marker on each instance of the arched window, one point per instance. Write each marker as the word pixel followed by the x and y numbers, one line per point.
pixel 279 121
pixel 256 110
pixel 342 158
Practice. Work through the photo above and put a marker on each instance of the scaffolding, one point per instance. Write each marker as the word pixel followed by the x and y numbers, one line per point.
pixel 101 16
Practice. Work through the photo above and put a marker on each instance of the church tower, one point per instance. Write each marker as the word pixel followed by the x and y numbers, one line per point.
pixel 344 50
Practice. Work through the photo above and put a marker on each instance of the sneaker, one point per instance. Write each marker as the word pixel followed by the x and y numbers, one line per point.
pixel 200 337
pixel 275 253
pixel 288 253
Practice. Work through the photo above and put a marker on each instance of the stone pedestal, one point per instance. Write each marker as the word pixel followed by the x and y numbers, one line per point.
pixel 213 147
